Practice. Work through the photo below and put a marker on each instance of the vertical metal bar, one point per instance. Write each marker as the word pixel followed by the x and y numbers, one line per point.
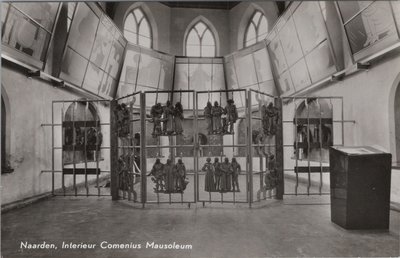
pixel 73 146
pixel 143 159
pixel 222 196
pixel 308 147
pixel 85 148
pixel 130 152
pixel 261 176
pixel 188 78
pixel 195 148
pixel 114 166
pixel 320 145
pixel 52 148
pixel 342 120
pixel 297 146
pixel 62 150
pixel 251 149
pixel 279 151
pixel 248 148
pixel 98 150
pixel 261 100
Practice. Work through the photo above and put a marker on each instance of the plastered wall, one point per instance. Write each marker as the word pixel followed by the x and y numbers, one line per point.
pixel 29 104
pixel 367 97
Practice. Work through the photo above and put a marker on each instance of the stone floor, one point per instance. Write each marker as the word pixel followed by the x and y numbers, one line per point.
pixel 296 226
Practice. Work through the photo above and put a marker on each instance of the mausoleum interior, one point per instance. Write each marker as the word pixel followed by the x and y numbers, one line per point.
pixel 238 128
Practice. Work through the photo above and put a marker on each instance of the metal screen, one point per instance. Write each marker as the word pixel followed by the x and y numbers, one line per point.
pixel 80 152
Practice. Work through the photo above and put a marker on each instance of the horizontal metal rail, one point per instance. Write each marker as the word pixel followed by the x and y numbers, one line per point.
pixel 86 195
pixel 334 121
pixel 60 171
pixel 80 101
pixel 218 91
pixel 61 124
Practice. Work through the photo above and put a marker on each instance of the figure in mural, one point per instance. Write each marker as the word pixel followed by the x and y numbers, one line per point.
pixel 123 168
pixel 302 137
pixel 93 137
pixel 271 178
pixel 180 179
pixel 168 118
pixel 217 111
pixel 231 115
pixel 209 117
pixel 178 118
pixel 156 113
pixel 226 176
pixel 79 136
pixel 218 174
pixel 209 183
pixel 123 116
pixel 236 169
pixel 270 116
pixel 169 176
pixel 158 176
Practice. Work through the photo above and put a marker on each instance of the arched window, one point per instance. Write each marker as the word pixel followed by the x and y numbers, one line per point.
pixel 137 29
pixel 200 41
pixel 256 30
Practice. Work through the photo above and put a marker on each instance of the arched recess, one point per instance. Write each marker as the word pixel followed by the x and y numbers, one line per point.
pixel 307 135
pixel 247 15
pixel 5 132
pixel 394 120
pixel 82 122
pixel 149 16
pixel 210 26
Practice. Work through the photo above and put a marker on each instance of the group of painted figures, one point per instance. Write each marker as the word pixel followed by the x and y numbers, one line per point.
pixel 216 124
pixel 123 115
pixel 167 119
pixel 222 177
pixel 169 177
pixel 271 177
pixel 269 118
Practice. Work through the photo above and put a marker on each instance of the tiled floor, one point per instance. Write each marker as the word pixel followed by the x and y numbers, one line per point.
pixel 296 226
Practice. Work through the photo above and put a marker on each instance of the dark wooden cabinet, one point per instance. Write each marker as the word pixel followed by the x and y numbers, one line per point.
pixel 360 187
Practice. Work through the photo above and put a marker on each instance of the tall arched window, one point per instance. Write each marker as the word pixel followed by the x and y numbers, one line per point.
pixel 256 30
pixel 137 29
pixel 200 41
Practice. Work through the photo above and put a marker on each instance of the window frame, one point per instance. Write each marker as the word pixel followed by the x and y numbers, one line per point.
pixel 189 31
pixel 132 12
pixel 256 26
